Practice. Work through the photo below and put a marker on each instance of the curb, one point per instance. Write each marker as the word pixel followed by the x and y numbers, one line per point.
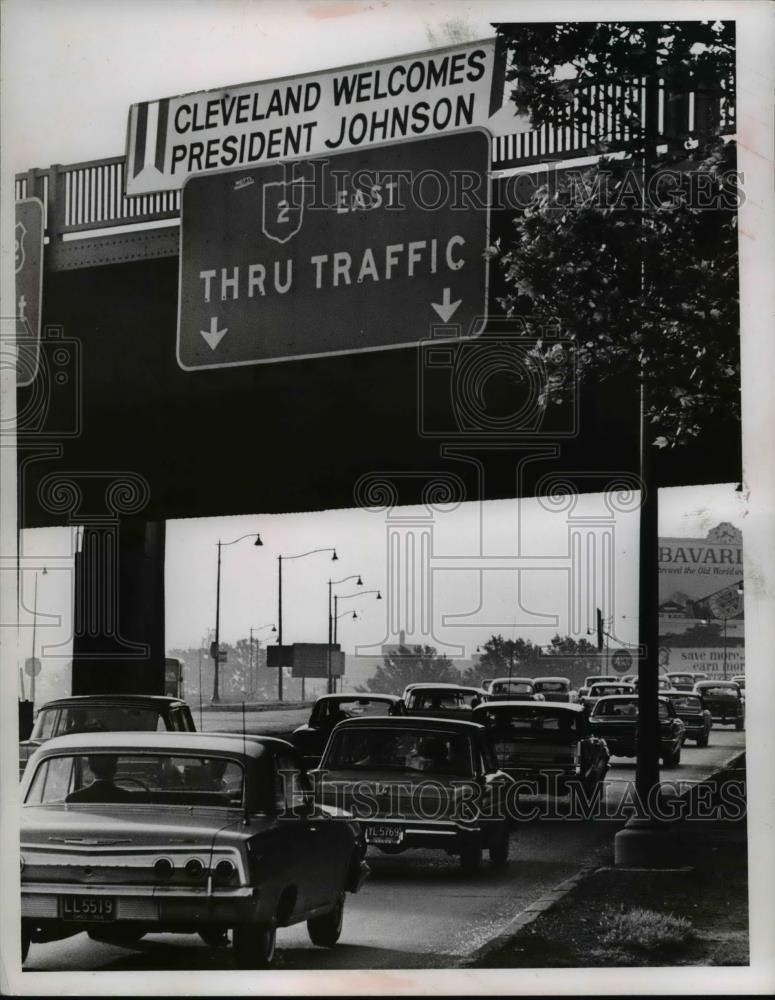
pixel 553 896
pixel 530 913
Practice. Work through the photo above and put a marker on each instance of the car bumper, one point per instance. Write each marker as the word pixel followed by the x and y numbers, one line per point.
pixel 153 908
pixel 430 835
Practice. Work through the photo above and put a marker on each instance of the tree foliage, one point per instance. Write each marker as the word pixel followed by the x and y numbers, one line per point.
pixel 551 61
pixel 502 656
pixel 636 269
pixel 410 664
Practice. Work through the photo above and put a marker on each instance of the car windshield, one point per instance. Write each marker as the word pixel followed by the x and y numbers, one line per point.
pixel 551 686
pixel 407 750
pixel 514 689
pixel 530 724
pixel 681 678
pixel 97 718
pixel 430 700
pixel 331 712
pixel 139 778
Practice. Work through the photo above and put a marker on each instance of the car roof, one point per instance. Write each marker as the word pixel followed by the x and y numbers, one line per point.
pixel 151 700
pixel 565 680
pixel 513 679
pixel 442 685
pixel 608 681
pixel 629 697
pixel 409 722
pixel 709 683
pixel 358 696
pixel 535 706
pixel 248 745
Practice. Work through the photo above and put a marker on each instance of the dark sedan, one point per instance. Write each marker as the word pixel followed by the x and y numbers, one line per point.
pixel 615 720
pixel 690 710
pixel 544 742
pixel 310 739
pixel 724 700
pixel 419 783
pixel 99 713
pixel 600 689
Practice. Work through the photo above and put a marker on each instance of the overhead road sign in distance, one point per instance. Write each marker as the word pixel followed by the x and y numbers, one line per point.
pixel 368 250
pixel 299 117
pixel 28 263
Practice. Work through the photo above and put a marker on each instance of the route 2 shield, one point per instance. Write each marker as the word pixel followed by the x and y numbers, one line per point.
pixel 283 210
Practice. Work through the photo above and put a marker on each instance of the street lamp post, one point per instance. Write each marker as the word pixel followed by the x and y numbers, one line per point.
pixel 280 559
pixel 216 648
pixel 337 616
pixel 344 614
pixel 253 674
pixel 331 584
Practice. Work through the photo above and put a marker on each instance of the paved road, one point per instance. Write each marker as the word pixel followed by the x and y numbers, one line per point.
pixel 417 909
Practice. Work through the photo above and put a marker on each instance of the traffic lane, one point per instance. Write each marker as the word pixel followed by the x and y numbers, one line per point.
pixel 417 910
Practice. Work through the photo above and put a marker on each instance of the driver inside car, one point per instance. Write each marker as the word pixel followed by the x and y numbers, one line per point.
pixel 103 787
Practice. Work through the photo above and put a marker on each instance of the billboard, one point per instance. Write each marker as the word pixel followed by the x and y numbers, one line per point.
pixel 308 659
pixel 701 607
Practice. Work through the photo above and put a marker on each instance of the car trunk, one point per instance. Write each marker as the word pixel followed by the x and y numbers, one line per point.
pixel 530 753
pixel 394 794
pixel 118 844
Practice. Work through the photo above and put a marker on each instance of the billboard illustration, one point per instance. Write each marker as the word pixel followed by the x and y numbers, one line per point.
pixel 701 607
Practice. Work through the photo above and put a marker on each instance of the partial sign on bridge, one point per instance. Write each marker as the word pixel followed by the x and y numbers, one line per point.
pixel 359 252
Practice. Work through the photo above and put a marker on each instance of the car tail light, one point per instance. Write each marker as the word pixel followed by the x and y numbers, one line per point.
pixel 195 868
pixel 164 868
pixel 22 862
pixel 577 753
pixel 224 870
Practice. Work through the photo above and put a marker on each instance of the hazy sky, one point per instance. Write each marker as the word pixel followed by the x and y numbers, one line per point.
pixel 249 574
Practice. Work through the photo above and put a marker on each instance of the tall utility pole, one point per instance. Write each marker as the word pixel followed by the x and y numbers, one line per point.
pixel 647 762
pixel 280 626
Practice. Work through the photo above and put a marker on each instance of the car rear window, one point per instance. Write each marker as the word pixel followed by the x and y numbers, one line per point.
pixel 108 718
pixel 551 686
pixel 719 692
pixel 444 700
pixel 127 778
pixel 687 702
pixel 529 724
pixel 624 709
pixel 407 750
pixel 512 688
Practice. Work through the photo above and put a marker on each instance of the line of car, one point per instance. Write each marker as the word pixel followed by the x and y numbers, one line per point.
pixel 133 822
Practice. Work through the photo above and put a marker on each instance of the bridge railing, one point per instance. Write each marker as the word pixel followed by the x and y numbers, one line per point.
pixel 80 198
